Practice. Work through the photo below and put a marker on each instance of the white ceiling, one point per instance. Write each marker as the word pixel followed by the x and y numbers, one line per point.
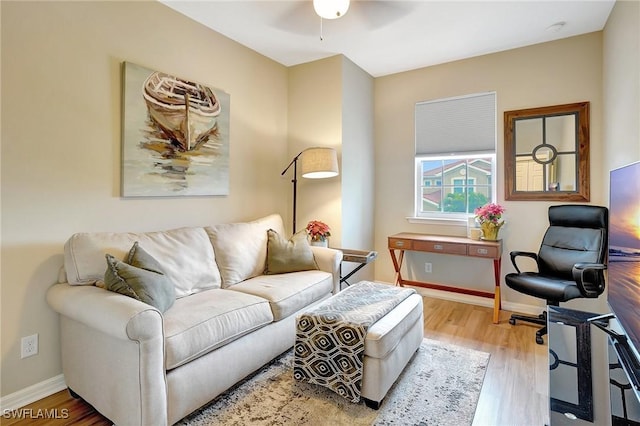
pixel 386 37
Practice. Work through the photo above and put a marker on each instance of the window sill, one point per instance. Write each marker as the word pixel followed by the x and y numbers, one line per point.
pixel 438 221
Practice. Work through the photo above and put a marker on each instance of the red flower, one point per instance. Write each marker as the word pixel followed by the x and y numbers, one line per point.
pixel 318 231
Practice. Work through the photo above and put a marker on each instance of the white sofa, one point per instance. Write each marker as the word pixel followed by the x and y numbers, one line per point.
pixel 139 366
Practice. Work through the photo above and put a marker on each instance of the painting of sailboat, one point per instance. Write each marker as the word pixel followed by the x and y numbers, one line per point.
pixel 175 136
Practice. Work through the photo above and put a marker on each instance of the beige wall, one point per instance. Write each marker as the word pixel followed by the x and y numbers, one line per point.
pixel 340 115
pixel 621 86
pixel 553 73
pixel 61 145
pixel 315 119
pixel 358 174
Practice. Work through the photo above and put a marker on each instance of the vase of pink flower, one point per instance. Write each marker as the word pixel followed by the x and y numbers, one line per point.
pixel 489 217
pixel 318 232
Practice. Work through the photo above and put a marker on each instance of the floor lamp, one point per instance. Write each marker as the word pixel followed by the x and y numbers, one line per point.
pixel 315 163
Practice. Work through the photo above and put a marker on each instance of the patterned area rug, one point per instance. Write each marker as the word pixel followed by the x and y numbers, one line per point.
pixel 440 386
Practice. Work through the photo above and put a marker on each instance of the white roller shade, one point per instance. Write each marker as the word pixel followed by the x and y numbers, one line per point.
pixel 456 125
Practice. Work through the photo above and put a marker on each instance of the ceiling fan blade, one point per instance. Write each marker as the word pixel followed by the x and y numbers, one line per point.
pixel 378 14
pixel 298 18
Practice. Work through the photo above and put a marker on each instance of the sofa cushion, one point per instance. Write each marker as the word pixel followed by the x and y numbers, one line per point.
pixel 383 335
pixel 290 255
pixel 186 256
pixel 205 321
pixel 288 293
pixel 140 276
pixel 241 248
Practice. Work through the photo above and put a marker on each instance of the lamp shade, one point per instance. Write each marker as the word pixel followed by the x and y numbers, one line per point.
pixel 331 9
pixel 319 163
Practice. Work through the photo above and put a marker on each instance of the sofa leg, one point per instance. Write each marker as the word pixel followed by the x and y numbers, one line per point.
pixel 73 394
pixel 372 404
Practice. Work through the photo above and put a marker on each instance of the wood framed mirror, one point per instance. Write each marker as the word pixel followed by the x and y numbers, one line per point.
pixel 546 153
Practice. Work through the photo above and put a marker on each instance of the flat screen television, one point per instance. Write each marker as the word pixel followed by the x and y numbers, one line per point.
pixel 624 254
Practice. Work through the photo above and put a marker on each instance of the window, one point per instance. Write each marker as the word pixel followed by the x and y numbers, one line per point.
pixel 455 156
pixel 453 185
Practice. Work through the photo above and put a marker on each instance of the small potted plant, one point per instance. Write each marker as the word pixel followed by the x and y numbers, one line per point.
pixel 489 217
pixel 318 233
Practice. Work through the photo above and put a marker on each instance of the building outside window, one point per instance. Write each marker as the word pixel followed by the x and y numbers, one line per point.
pixel 443 190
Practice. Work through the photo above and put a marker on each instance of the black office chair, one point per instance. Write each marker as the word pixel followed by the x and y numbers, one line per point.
pixel 570 262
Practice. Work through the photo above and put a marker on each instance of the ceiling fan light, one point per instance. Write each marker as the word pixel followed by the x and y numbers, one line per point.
pixel 331 9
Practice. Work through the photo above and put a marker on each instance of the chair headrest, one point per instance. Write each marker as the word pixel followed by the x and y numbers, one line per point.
pixel 579 216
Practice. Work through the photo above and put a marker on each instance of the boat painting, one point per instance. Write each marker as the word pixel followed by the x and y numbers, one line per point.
pixel 175 136
pixel 185 111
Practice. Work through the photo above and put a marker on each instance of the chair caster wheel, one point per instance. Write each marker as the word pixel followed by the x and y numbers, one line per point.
pixel 512 321
pixel 539 340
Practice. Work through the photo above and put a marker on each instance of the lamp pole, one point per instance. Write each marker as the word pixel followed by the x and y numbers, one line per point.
pixel 293 163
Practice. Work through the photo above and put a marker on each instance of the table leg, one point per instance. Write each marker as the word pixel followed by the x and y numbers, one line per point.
pixel 397 264
pixel 353 271
pixel 497 299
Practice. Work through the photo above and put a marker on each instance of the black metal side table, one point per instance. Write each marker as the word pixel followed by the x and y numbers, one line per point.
pixel 355 256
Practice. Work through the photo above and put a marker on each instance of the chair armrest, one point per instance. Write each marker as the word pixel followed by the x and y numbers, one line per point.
pixel 590 284
pixel 111 313
pixel 329 260
pixel 516 254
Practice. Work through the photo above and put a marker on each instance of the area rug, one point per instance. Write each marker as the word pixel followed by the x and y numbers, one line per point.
pixel 440 386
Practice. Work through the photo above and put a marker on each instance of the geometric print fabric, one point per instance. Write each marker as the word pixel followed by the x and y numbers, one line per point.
pixel 329 347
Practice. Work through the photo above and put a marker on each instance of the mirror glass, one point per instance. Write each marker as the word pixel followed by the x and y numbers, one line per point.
pixel 547 153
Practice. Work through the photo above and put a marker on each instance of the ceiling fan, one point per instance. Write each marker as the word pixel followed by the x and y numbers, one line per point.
pixel 302 17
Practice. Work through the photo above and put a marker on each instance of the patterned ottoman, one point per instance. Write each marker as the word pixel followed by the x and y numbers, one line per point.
pixel 357 342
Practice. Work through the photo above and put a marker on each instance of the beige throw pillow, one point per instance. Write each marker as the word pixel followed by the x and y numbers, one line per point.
pixel 241 248
pixel 291 255
pixel 140 276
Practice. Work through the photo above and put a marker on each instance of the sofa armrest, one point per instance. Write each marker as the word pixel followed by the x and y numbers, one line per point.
pixel 112 353
pixel 329 260
pixel 111 313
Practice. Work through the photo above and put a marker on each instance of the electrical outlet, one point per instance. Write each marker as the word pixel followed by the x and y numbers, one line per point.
pixel 427 268
pixel 29 346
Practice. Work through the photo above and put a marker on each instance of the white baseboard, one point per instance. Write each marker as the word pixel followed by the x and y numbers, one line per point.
pixel 479 301
pixel 522 308
pixel 32 393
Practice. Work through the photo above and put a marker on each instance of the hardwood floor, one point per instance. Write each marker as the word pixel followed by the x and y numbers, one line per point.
pixel 515 387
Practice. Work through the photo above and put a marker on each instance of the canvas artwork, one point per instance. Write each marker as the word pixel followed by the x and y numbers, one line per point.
pixel 175 136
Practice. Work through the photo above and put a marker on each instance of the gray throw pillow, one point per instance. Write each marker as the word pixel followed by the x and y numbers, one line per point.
pixel 291 255
pixel 140 276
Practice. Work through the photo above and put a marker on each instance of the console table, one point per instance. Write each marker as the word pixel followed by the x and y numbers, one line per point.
pixel 406 241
